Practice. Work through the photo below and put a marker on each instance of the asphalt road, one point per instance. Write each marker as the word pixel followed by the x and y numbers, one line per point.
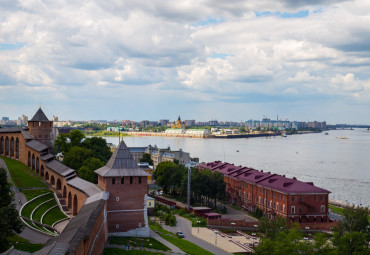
pixel 184 226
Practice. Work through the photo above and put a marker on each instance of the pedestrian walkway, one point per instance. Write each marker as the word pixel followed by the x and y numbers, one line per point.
pixel 174 248
pixel 123 247
pixel 19 200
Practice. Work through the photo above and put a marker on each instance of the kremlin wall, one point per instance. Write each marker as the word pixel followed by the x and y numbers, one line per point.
pixel 116 206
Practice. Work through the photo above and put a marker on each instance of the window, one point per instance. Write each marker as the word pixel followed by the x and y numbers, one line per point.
pixel 113 180
pixel 300 210
pixel 259 200
pixel 117 199
pixel 314 198
pixel 131 178
pixel 277 206
pixel 314 209
pixel 322 198
pixel 122 180
pixel 322 208
pixel 150 203
pixel 283 208
pixel 292 199
pixel 300 198
pixel 139 179
pixel 293 209
pixel 270 203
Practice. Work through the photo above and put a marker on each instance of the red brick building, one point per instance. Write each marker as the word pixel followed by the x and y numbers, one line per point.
pixel 111 207
pixel 272 193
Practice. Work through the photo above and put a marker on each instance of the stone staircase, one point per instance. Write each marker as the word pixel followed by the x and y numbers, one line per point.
pixel 63 203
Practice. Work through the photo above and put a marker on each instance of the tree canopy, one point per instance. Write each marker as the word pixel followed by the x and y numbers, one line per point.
pixel 83 154
pixel 9 221
pixel 147 158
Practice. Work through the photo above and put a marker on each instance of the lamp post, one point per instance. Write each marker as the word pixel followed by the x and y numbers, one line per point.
pixel 307 228
pixel 233 224
pixel 254 236
pixel 198 222
pixel 216 237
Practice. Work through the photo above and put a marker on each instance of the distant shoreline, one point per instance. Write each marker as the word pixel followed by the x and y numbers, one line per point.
pixel 224 136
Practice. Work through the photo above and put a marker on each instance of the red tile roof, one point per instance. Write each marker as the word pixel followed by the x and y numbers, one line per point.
pixel 264 179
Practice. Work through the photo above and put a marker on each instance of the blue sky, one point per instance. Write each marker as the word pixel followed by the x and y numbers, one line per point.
pixel 225 60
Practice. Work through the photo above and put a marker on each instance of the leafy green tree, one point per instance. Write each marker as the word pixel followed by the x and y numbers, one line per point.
pixel 9 221
pixel 75 157
pixel 272 228
pixel 61 143
pixel 98 147
pixel 86 171
pixel 147 158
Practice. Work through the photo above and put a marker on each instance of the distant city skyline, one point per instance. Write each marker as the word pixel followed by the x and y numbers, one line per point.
pixel 204 60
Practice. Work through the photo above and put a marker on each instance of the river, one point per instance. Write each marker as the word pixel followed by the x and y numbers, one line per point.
pixel 341 166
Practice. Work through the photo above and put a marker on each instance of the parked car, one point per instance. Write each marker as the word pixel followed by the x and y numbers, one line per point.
pixel 180 234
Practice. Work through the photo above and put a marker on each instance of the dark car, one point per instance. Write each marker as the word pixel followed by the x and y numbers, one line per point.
pixel 180 234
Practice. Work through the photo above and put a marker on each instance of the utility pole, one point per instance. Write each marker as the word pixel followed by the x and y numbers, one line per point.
pixel 189 183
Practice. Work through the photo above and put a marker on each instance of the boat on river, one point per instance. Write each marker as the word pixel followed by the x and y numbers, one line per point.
pixel 340 137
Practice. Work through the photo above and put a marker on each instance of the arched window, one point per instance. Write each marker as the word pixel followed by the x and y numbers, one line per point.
pixel 69 200
pixel 29 159
pixel 42 171
pixel 47 176
pixel 1 145
pixel 6 146
pixel 12 147
pixel 33 161
pixel 64 191
pixel 59 184
pixel 74 204
pixel 17 148
pixel 52 180
pixel 37 165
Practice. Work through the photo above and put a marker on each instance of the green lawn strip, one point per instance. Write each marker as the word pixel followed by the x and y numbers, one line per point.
pixel 42 209
pixel 193 218
pixel 339 210
pixel 21 174
pixel 163 231
pixel 22 244
pixel 136 241
pixel 118 251
pixel 53 216
pixel 31 224
pixel 28 208
pixel 32 193
pixel 185 246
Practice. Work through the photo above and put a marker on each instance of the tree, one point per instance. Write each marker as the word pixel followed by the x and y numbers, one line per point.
pixel 76 156
pixel 9 221
pixel 98 147
pixel 272 228
pixel 86 171
pixel 64 142
pixel 147 158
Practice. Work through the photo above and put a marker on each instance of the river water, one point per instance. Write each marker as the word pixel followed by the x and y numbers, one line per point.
pixel 341 166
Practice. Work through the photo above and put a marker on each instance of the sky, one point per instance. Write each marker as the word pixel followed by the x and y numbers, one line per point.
pixel 138 60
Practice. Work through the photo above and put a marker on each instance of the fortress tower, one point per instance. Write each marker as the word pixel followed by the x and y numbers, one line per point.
pixel 127 185
pixel 41 128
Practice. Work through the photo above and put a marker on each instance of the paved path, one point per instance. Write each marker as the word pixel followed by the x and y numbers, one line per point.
pixel 184 226
pixel 27 233
pixel 165 242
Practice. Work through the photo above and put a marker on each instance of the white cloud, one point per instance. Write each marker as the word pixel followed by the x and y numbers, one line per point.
pixel 303 76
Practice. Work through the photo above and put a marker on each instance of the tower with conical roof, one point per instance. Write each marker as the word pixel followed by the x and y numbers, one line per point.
pixel 127 184
pixel 41 128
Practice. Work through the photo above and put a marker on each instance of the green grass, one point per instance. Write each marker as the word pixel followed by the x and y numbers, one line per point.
pixel 135 241
pixel 236 207
pixel 339 210
pixel 28 208
pixel 21 174
pixel 117 251
pixel 42 209
pixel 22 244
pixel 160 229
pixel 192 217
pixel 32 193
pixel 184 245
pixel 53 216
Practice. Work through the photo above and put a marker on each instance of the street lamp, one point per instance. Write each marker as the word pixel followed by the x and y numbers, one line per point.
pixel 216 237
pixel 198 222
pixel 307 228
pixel 254 236
pixel 233 224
